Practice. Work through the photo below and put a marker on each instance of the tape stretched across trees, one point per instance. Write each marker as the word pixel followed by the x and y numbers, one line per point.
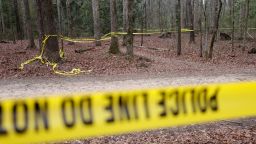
pixel 32 120
pixel 74 71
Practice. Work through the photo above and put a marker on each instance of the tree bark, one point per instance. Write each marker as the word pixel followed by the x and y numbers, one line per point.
pixel 206 27
pixel 60 27
pixel 59 7
pixel 96 21
pixel 218 8
pixel 70 18
pixel 125 20
pixel 160 16
pixel 178 24
pixel 2 17
pixel 129 46
pixel 200 27
pixel 247 10
pixel 233 22
pixel 143 22
pixel 17 19
pixel 52 45
pixel 28 21
pixel 40 22
pixel 191 20
pixel 114 46
pixel 241 19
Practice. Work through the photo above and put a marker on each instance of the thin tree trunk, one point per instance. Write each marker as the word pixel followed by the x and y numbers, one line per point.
pixel 143 23
pixel 191 20
pixel 241 19
pixel 200 27
pixel 178 20
pixel 146 16
pixel 233 23
pixel 11 20
pixel 23 17
pixel 52 45
pixel 2 17
pixel 29 25
pixel 60 28
pixel 247 9
pixel 130 28
pixel 40 22
pixel 17 19
pixel 206 27
pixel 59 16
pixel 114 46
pixel 125 20
pixel 96 21
pixel 70 18
pixel 218 7
pixel 160 16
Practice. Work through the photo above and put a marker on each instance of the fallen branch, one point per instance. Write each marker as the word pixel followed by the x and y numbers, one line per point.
pixel 84 50
pixel 4 41
pixel 153 48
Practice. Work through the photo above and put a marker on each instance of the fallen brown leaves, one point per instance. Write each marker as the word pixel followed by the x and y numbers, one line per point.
pixel 155 57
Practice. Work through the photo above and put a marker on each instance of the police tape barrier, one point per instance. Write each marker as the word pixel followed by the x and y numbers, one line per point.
pixel 74 71
pixel 33 120
pixel 54 65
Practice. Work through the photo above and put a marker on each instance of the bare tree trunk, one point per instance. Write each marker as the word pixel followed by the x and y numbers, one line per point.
pixel 190 4
pixel 40 22
pixel 178 20
pixel 233 23
pixel 23 18
pixel 247 10
pixel 2 17
pixel 184 14
pixel 218 7
pixel 60 28
pixel 200 27
pixel 28 20
pixel 52 45
pixel 146 16
pixel 241 19
pixel 130 28
pixel 17 19
pixel 143 21
pixel 114 46
pixel 160 15
pixel 206 27
pixel 125 20
pixel 59 10
pixel 70 18
pixel 96 21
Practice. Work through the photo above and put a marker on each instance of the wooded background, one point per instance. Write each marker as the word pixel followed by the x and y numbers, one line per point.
pixel 32 19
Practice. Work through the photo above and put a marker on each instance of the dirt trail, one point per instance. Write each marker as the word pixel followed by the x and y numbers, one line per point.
pixel 34 87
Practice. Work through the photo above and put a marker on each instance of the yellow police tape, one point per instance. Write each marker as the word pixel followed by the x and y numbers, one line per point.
pixel 74 116
pixel 76 71
pixel 54 65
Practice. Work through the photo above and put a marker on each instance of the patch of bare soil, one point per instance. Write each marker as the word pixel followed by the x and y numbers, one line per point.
pixel 155 57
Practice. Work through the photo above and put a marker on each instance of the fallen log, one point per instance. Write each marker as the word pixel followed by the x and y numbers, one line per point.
pixel 153 48
pixel 83 50
pixel 2 41
pixel 252 51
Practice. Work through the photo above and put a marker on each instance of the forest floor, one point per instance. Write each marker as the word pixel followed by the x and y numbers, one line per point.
pixel 154 65
pixel 158 56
